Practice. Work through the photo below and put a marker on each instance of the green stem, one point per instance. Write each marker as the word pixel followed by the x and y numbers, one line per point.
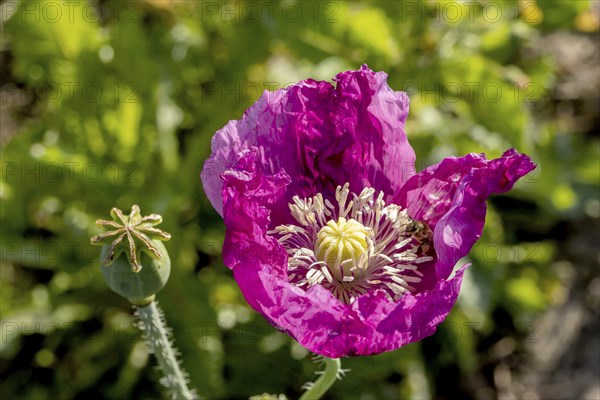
pixel 328 377
pixel 175 379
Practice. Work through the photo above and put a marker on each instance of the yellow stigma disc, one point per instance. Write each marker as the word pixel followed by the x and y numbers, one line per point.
pixel 340 241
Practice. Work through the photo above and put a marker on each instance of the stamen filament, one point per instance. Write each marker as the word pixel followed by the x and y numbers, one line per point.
pixel 356 246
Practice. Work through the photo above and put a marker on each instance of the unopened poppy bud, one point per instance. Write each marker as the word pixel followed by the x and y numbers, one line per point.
pixel 134 262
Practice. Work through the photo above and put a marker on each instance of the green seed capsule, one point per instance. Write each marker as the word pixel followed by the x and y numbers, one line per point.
pixel 138 287
pixel 134 262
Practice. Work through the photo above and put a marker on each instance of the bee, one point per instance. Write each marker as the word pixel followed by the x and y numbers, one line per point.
pixel 419 231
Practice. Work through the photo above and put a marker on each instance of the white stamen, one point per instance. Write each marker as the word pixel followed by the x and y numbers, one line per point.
pixel 355 247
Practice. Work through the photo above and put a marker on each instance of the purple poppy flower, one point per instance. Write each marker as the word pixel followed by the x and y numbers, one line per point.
pixel 331 235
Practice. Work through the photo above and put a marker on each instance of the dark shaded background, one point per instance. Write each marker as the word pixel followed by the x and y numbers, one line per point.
pixel 110 103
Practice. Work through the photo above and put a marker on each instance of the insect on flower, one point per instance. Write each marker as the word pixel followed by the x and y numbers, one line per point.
pixel 330 233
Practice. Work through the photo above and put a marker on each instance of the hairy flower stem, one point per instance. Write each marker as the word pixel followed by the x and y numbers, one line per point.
pixel 157 335
pixel 333 371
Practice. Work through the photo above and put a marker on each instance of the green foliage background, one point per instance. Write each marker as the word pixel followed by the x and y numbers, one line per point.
pixel 112 103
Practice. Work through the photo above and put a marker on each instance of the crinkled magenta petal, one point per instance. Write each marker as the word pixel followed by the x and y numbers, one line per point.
pixel 322 136
pixel 416 316
pixel 450 196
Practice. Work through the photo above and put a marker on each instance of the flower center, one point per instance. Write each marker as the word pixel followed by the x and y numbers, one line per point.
pixel 355 247
pixel 341 244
